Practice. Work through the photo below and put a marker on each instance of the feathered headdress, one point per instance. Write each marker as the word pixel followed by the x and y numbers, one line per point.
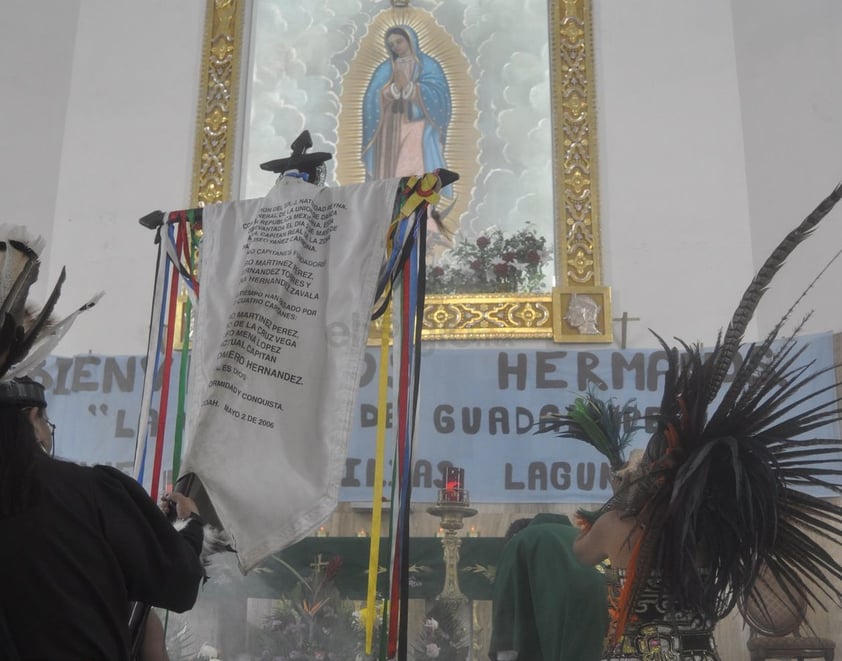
pixel 27 335
pixel 724 476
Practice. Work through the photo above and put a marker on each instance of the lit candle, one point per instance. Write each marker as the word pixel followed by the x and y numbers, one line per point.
pixel 473 532
pixel 321 532
pixel 454 484
pixel 362 533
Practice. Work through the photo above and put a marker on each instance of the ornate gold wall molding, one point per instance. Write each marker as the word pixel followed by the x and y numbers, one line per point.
pixel 575 178
pixel 575 173
pixel 213 161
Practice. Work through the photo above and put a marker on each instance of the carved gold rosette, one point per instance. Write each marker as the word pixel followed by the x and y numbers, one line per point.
pixel 575 179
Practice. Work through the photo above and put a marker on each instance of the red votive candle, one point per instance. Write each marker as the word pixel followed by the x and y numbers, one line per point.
pixel 454 484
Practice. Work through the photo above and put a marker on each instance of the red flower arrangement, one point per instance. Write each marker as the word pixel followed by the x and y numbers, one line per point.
pixel 492 262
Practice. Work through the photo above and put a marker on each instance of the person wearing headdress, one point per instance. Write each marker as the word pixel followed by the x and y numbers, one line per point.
pixel 406 111
pixel 547 602
pixel 723 493
pixel 79 543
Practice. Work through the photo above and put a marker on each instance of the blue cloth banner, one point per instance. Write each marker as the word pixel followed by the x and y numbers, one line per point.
pixel 479 410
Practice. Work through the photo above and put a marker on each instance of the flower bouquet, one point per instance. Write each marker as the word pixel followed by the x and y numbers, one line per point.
pixel 493 262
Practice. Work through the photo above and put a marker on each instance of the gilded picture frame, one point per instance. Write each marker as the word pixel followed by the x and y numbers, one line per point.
pixel 575 182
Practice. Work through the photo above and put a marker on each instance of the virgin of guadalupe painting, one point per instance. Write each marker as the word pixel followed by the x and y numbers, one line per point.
pixel 406 111
pixel 392 91
pixel 408 106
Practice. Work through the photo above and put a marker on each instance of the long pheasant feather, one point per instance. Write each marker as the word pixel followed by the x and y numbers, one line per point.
pixel 757 287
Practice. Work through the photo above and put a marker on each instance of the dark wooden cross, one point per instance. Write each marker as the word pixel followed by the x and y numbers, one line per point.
pixel 624 321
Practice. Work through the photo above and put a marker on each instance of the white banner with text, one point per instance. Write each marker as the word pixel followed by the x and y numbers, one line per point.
pixel 271 400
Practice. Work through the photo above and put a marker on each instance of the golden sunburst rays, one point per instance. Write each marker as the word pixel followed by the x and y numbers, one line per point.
pixel 461 152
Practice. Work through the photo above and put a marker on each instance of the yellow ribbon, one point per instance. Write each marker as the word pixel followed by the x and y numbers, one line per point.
pixel 377 491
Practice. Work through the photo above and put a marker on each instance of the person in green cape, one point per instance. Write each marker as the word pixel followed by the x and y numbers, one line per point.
pixel 547 606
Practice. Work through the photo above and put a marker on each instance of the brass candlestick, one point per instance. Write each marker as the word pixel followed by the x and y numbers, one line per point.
pixel 452 508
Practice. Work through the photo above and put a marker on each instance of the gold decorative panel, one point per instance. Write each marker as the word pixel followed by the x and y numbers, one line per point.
pixel 219 85
pixel 485 316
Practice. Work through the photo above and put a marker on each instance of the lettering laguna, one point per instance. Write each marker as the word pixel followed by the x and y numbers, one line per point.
pixel 537 476
pixel 559 476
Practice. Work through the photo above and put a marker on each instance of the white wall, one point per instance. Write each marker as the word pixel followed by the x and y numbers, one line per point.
pixel 674 205
pixel 36 55
pixel 789 59
pixel 101 132
pixel 720 126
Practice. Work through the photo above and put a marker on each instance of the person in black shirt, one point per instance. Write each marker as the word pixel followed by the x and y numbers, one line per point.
pixel 80 543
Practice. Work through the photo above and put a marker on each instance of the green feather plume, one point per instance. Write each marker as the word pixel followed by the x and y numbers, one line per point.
pixel 600 423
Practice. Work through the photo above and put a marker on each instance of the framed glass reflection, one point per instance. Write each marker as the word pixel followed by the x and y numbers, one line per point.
pixel 498 92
